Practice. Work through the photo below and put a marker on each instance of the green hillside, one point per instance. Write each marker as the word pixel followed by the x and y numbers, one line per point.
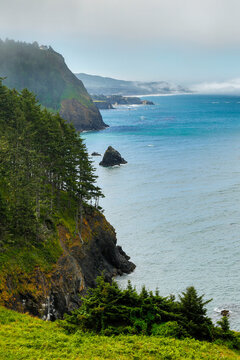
pixel 99 85
pixel 43 71
pixel 25 337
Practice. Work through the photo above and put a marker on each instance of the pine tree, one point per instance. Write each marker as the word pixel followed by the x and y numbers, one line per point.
pixel 44 166
pixel 192 307
pixel 224 323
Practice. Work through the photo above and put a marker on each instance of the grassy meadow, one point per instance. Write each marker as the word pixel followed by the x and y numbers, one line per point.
pixel 23 337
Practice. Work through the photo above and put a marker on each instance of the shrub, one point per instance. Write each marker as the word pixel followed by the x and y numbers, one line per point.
pixel 193 309
pixel 169 329
pixel 109 310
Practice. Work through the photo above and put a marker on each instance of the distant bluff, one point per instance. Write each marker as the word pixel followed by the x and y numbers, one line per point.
pixel 43 71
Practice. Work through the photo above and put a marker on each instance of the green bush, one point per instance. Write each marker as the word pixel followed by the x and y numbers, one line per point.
pixel 169 329
pixel 109 310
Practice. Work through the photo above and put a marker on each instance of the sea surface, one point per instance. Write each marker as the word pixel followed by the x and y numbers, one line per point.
pixel 176 204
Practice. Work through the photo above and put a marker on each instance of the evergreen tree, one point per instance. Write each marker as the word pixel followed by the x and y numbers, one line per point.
pixel 196 322
pixel 44 166
pixel 224 324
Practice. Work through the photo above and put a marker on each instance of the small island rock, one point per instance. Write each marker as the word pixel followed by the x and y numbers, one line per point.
pixel 225 312
pixel 95 154
pixel 112 157
pixel 147 102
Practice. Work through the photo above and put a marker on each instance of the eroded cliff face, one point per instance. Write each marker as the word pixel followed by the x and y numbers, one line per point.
pixel 82 117
pixel 50 294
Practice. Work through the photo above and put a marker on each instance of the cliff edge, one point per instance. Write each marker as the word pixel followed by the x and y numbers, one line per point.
pixel 44 72
pixel 50 291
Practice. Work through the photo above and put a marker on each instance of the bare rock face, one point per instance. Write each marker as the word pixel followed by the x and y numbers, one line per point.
pixel 112 157
pixel 82 117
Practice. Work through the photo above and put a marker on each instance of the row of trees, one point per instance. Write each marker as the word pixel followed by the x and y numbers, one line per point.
pixel 110 310
pixel 44 167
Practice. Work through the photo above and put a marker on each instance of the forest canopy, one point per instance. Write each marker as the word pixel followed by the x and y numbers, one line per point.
pixel 44 169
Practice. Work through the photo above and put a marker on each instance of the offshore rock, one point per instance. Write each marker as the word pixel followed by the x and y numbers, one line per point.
pixel 225 312
pixel 147 102
pixel 112 157
pixel 95 154
pixel 50 294
pixel 103 105
pixel 109 101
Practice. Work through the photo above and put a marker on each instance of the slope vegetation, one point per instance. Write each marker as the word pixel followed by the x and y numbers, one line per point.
pixel 24 337
pixel 43 71
pixel 54 240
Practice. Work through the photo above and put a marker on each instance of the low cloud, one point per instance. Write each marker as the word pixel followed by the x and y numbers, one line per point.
pixel 212 23
pixel 225 87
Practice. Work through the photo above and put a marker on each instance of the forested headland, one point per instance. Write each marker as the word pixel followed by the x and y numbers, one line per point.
pixel 43 71
pixel 54 239
pixel 44 168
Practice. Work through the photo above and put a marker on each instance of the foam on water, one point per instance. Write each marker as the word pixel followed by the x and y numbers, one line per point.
pixel 176 204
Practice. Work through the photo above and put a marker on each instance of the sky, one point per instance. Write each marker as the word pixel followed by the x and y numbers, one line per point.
pixel 181 41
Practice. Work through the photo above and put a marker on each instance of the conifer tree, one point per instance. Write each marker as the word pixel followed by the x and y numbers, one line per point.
pixel 44 165
pixel 194 311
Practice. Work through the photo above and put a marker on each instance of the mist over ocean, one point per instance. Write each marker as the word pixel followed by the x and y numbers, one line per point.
pixel 176 204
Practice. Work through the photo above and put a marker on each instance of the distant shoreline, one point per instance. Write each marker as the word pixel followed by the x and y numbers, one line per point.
pixel 150 95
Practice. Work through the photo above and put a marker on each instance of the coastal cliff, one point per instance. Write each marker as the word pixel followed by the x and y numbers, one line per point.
pixel 53 241
pixel 83 118
pixel 43 71
pixel 50 291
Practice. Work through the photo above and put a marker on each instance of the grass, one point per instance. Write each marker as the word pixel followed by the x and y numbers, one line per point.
pixel 25 337
pixel 20 267
pixel 27 257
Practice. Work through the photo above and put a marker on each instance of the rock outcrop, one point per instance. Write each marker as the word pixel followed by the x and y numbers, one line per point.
pixel 225 312
pixel 103 105
pixel 147 102
pixel 50 294
pixel 111 101
pixel 112 157
pixel 82 117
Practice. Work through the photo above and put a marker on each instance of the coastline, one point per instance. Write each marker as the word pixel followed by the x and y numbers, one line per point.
pixel 170 94
pixel 195 142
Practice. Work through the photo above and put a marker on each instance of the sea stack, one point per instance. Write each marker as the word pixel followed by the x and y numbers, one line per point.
pixel 112 157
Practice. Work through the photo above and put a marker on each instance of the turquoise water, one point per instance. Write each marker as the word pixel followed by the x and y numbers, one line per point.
pixel 176 204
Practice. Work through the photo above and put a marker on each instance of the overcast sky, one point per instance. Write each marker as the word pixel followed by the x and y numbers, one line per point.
pixel 184 41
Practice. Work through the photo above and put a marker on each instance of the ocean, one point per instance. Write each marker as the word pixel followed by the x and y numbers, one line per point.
pixel 176 204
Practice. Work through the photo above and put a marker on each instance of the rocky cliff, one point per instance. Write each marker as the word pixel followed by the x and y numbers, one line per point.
pixel 50 292
pixel 44 72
